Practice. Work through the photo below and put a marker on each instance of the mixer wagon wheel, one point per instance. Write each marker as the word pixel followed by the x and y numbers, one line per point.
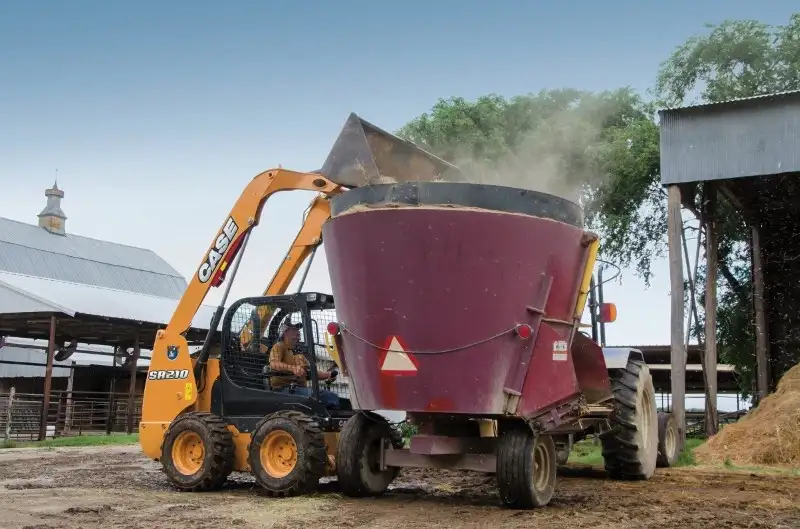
pixel 630 448
pixel 197 453
pixel 358 455
pixel 287 453
pixel 526 468
pixel 667 440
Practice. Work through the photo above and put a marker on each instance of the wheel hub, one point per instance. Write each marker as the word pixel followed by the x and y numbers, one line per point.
pixel 541 467
pixel 188 453
pixel 279 453
pixel 669 442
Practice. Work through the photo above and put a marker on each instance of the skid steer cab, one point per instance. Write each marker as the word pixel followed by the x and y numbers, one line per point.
pixel 275 406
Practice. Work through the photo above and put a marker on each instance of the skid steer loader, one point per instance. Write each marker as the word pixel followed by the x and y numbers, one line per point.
pixel 225 408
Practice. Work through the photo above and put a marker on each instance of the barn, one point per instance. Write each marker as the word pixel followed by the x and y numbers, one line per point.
pixel 97 301
pixel 100 304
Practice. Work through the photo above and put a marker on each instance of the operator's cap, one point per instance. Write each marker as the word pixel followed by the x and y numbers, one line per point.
pixel 285 326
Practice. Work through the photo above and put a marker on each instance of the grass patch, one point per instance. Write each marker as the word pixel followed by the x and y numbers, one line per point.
pixel 79 440
pixel 586 452
pixel 686 458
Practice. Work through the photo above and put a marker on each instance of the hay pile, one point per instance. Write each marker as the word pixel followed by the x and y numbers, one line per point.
pixel 769 435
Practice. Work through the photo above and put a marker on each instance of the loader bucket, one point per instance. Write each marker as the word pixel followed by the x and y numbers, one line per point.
pixel 364 154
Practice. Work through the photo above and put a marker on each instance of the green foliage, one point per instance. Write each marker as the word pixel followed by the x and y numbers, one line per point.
pixel 78 440
pixel 737 58
pixel 686 457
pixel 604 149
pixel 407 430
pixel 587 452
pixel 552 141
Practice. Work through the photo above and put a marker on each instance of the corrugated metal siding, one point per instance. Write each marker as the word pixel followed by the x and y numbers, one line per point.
pixel 20 354
pixel 30 250
pixel 752 138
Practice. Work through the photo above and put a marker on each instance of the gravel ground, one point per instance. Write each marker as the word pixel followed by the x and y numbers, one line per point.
pixel 85 488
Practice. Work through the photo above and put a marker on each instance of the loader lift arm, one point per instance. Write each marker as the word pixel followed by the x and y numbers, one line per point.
pixel 226 244
pixel 305 243
pixel 176 378
pixel 229 244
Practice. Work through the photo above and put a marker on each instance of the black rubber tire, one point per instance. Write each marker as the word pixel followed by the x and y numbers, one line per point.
pixel 668 440
pixel 312 454
pixel 521 487
pixel 217 461
pixel 630 448
pixel 358 455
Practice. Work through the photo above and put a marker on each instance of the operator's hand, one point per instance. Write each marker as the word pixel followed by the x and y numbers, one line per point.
pixel 299 371
pixel 333 373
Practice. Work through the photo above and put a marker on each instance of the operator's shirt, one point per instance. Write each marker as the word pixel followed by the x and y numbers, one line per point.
pixel 281 352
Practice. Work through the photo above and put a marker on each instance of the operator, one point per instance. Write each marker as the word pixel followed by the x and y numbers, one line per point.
pixel 282 357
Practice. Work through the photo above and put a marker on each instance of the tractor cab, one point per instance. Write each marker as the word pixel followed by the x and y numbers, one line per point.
pixel 249 389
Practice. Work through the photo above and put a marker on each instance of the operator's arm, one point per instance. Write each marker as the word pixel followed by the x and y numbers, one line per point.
pixel 277 359
pixel 321 375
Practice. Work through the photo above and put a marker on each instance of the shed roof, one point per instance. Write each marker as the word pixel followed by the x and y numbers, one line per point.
pixel 33 251
pixel 738 101
pixel 91 311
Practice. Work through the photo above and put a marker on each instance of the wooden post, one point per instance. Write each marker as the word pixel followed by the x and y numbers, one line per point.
pixel 9 412
pixel 132 386
pixel 70 386
pixel 710 364
pixel 677 349
pixel 112 387
pixel 48 379
pixel 762 341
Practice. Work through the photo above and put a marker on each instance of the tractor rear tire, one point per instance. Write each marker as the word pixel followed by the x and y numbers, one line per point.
pixel 287 453
pixel 630 448
pixel 668 443
pixel 526 468
pixel 358 455
pixel 197 453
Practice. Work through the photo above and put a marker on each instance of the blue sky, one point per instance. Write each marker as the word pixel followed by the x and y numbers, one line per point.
pixel 156 114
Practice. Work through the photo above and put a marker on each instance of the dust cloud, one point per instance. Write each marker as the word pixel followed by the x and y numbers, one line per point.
pixel 559 155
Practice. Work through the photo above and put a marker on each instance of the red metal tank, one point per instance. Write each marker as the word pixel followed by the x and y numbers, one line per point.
pixel 456 297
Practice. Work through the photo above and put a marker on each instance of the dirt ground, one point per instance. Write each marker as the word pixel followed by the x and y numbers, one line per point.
pixel 85 488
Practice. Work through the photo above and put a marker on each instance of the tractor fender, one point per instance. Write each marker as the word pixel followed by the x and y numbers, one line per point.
pixel 618 357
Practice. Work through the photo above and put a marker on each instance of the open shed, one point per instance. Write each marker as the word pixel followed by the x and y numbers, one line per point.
pixel 745 152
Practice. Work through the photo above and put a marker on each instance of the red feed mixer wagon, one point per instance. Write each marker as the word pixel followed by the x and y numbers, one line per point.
pixel 460 305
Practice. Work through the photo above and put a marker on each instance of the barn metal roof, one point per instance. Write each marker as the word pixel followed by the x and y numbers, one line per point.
pixel 736 101
pixel 72 299
pixel 32 251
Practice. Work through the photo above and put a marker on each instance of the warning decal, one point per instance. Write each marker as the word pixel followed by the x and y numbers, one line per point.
pixel 395 360
pixel 560 350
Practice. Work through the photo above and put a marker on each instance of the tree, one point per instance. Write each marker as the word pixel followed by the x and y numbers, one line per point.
pixel 604 149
